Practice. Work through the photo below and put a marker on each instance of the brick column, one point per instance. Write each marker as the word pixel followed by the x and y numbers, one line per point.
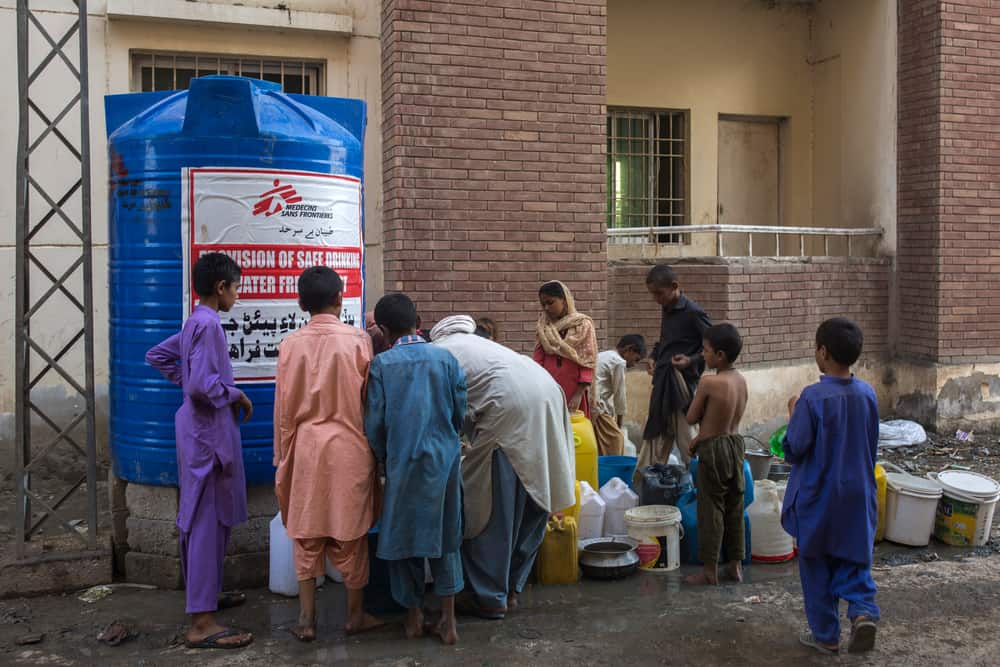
pixel 949 180
pixel 494 156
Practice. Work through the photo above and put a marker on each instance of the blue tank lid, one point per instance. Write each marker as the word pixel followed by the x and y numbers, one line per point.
pixel 231 106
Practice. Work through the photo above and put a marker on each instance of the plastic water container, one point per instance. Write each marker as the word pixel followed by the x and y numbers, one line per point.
pixel 659 531
pixel 592 510
pixel 910 509
pixel 630 449
pixel 880 485
pixel 965 512
pixel 622 467
pixel 619 498
pixel 574 509
pixel 769 542
pixel 557 561
pixel 281 577
pixel 663 484
pixel 585 443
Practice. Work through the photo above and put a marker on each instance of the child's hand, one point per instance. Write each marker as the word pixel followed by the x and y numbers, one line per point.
pixel 791 404
pixel 681 361
pixel 244 403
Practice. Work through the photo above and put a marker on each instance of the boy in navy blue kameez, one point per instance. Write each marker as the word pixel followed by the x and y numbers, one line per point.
pixel 831 506
pixel 416 408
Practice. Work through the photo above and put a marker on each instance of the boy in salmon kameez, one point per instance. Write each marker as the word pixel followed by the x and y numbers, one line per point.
pixel 325 480
pixel 416 409
pixel 213 494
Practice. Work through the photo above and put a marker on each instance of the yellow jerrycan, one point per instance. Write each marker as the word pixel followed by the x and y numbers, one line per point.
pixel 880 485
pixel 586 449
pixel 557 561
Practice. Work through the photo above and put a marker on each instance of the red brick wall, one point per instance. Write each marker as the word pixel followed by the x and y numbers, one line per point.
pixel 918 167
pixel 949 179
pixel 776 304
pixel 494 156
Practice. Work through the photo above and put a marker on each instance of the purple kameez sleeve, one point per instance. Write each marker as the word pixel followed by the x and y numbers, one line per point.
pixel 166 357
pixel 208 357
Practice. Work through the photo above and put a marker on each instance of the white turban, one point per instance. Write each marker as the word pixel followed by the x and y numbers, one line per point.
pixel 453 324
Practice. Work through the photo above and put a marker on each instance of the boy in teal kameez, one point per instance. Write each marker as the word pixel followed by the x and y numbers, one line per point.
pixel 416 408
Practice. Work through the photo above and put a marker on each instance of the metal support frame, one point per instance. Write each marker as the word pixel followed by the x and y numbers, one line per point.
pixel 31 25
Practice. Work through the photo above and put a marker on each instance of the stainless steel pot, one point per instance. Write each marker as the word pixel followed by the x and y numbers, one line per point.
pixel 608 557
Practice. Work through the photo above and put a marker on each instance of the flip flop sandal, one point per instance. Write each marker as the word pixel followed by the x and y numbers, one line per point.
pixel 212 641
pixel 807 639
pixel 862 636
pixel 231 599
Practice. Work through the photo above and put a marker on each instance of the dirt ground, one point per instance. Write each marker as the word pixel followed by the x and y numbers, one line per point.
pixel 934 613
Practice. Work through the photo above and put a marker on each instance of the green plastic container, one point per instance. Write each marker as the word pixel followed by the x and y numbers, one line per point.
pixel 776 439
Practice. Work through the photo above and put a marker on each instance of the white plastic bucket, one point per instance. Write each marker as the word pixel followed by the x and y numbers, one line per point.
pixel 965 511
pixel 659 531
pixel 910 509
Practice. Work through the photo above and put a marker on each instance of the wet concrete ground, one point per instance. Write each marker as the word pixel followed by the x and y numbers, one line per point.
pixel 939 613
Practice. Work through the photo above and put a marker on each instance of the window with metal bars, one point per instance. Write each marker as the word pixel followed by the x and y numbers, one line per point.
pixel 174 71
pixel 647 169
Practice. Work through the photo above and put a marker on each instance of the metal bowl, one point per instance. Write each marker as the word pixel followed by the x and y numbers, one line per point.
pixel 608 557
pixel 779 472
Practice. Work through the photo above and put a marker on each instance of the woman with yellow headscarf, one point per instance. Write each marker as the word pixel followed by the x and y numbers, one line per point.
pixel 567 344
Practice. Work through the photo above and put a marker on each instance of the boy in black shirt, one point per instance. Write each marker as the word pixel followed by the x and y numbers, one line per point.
pixel 677 365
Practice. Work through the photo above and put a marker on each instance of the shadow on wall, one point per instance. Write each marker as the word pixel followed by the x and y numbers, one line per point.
pixel 63 461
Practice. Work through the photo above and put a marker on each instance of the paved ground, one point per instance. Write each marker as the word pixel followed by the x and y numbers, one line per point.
pixel 944 612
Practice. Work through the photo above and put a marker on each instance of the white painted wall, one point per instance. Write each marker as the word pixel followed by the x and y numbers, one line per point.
pixel 353 69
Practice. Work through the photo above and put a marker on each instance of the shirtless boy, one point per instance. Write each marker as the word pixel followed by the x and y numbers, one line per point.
pixel 718 407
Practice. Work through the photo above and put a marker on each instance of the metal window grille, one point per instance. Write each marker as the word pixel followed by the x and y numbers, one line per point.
pixel 153 71
pixel 647 169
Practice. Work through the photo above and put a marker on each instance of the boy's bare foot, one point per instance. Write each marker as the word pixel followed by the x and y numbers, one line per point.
pixel 414 623
pixel 304 633
pixel 447 630
pixel 734 572
pixel 365 623
pixel 701 579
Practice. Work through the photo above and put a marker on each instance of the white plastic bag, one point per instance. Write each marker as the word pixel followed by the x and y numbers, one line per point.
pixel 900 433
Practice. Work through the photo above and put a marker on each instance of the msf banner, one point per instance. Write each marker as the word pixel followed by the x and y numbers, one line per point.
pixel 274 224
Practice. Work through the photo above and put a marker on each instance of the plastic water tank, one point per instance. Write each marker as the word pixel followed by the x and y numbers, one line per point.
pixel 218 122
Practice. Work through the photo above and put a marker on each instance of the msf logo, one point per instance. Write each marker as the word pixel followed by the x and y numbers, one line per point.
pixel 274 201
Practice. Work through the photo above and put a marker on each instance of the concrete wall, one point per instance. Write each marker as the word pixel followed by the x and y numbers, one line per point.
pixel 353 68
pixel 828 68
pixel 717 57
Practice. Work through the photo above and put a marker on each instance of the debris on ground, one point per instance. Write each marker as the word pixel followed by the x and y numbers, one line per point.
pixel 753 599
pixel 95 593
pixel 33 638
pixel 116 633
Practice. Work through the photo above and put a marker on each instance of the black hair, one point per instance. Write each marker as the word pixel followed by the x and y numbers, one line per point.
pixel 842 338
pixel 319 288
pixel 634 341
pixel 210 269
pixel 481 332
pixel 396 313
pixel 553 289
pixel 661 275
pixel 725 338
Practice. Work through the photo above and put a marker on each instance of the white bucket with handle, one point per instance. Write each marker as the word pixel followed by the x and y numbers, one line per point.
pixel 965 511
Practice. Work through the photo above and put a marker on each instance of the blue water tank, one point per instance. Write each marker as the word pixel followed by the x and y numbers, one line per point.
pixel 218 122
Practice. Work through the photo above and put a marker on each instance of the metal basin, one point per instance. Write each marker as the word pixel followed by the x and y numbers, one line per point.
pixel 779 472
pixel 608 557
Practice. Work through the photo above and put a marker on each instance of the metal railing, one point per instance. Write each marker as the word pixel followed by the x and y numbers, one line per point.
pixel 672 235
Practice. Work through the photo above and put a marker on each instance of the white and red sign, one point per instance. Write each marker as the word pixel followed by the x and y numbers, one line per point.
pixel 275 224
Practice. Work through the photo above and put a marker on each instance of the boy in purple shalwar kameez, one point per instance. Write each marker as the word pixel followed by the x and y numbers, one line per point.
pixel 831 505
pixel 209 454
